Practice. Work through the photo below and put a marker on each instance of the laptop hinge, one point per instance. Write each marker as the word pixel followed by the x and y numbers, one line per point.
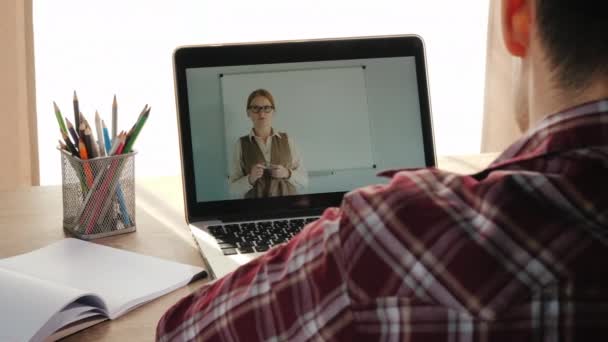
pixel 270 215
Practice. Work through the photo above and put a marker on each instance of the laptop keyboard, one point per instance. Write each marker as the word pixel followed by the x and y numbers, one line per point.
pixel 258 236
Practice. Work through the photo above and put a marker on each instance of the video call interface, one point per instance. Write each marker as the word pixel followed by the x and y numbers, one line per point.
pixel 290 129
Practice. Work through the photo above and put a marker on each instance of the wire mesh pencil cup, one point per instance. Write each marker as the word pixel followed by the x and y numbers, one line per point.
pixel 98 195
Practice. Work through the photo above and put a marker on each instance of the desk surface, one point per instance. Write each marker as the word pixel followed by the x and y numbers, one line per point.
pixel 31 218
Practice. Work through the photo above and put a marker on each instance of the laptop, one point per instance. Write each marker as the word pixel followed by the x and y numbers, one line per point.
pixel 273 133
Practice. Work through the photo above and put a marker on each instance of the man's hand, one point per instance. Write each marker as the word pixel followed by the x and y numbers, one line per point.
pixel 279 171
pixel 256 173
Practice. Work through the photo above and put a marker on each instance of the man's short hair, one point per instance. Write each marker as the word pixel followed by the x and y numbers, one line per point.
pixel 574 34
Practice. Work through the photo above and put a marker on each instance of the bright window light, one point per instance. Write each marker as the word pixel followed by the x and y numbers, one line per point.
pixel 124 47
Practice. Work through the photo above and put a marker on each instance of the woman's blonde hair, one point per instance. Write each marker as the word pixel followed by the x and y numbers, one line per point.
pixel 260 92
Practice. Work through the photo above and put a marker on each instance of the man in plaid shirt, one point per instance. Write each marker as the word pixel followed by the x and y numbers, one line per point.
pixel 513 253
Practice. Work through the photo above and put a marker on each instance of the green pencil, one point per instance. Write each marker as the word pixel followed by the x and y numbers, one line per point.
pixel 59 119
pixel 138 125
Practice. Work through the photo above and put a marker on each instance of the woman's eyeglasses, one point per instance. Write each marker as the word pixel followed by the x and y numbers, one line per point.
pixel 258 109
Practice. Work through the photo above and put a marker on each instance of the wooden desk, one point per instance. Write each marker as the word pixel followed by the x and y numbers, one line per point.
pixel 30 218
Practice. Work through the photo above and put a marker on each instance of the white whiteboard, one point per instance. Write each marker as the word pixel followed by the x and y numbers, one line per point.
pixel 324 111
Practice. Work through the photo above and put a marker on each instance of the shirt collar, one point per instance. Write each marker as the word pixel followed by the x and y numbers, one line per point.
pixel 273 133
pixel 582 126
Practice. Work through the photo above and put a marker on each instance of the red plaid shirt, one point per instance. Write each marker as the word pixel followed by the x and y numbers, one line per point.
pixel 513 253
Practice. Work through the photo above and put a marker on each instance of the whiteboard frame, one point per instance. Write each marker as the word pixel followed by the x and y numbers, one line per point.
pixel 313 171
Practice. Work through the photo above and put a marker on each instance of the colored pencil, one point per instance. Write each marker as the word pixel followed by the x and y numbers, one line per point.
pixel 72 131
pixel 115 144
pixel 133 136
pixel 100 144
pixel 81 127
pixel 87 168
pixel 114 117
pixel 76 110
pixel 143 111
pixel 106 137
pixel 121 146
pixel 83 137
pixel 121 197
pixel 112 181
pixel 88 138
pixel 69 144
pixel 105 192
pixel 59 119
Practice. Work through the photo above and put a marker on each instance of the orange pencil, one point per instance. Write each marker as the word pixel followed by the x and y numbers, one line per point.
pixel 87 168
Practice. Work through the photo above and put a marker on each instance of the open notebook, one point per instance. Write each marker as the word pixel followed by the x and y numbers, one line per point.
pixel 72 284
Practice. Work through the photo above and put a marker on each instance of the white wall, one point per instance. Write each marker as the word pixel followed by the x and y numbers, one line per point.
pixel 124 47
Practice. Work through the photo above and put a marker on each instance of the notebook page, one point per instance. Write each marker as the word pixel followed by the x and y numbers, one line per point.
pixel 71 314
pixel 123 279
pixel 28 304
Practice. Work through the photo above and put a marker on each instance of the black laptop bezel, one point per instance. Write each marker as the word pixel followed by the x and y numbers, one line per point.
pixel 284 52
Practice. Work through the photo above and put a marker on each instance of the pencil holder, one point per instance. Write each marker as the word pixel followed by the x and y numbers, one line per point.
pixel 98 195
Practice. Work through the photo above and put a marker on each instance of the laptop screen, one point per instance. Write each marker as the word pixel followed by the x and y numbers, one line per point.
pixel 297 132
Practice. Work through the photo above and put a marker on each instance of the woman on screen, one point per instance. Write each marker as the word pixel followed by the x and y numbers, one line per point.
pixel 266 162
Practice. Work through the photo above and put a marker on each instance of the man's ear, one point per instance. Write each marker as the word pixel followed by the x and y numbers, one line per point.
pixel 516 23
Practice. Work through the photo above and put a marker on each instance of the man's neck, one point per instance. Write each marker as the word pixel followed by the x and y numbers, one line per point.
pixel 556 100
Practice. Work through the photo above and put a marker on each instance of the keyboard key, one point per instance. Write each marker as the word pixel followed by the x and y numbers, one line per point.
pixel 215 230
pixel 246 250
pixel 256 236
pixel 293 229
pixel 232 227
pixel 277 240
pixel 248 226
pixel 280 224
pixel 261 248
pixel 231 239
pixel 265 224
pixel 229 251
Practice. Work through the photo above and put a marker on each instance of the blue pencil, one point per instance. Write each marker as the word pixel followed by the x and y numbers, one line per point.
pixel 106 138
pixel 121 197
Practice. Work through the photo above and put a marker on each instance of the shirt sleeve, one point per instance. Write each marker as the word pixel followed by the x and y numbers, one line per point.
pixel 299 175
pixel 349 276
pixel 238 181
pixel 280 296
pixel 331 280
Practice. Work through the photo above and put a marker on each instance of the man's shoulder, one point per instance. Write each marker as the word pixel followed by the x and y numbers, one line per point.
pixel 429 189
pixel 407 184
pixel 423 200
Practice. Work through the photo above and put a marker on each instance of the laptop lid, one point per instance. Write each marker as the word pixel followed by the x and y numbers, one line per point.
pixel 340 111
